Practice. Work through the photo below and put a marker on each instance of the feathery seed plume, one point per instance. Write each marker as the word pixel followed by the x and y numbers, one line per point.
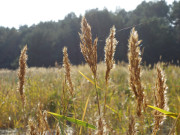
pixel 22 72
pixel 43 126
pixel 134 69
pixel 109 49
pixel 88 49
pixel 160 98
pixel 67 68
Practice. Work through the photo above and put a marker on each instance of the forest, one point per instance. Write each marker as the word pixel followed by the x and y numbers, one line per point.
pixel 157 23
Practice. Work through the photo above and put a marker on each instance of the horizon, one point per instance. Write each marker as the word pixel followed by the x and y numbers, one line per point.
pixel 24 15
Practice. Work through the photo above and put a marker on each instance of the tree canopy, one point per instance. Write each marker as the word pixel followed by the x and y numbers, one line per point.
pixel 157 23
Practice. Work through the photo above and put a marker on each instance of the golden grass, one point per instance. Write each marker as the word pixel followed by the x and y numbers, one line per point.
pixel 110 49
pixel 48 86
pixel 22 72
pixel 160 98
pixel 45 85
pixel 88 49
pixel 135 70
pixel 67 67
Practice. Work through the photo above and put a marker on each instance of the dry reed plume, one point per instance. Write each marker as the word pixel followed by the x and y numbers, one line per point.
pixel 22 72
pixel 134 69
pixel 88 49
pixel 67 68
pixel 109 49
pixel 160 98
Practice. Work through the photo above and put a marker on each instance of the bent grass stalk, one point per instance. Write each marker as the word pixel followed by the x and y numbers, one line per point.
pixel 80 132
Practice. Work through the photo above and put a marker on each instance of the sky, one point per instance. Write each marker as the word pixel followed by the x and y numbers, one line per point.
pixel 15 13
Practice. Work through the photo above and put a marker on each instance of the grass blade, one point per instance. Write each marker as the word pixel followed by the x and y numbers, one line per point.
pixel 61 127
pixel 84 113
pixel 112 109
pixel 170 114
pixel 89 80
pixel 73 120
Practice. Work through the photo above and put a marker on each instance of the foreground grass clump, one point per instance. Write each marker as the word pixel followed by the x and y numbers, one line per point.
pixel 45 85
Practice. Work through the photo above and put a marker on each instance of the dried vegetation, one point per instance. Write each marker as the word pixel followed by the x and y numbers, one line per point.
pixel 76 96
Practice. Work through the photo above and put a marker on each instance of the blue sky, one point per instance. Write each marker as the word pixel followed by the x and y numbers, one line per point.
pixel 14 13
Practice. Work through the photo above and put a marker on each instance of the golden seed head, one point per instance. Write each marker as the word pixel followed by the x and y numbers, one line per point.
pixel 88 49
pixel 22 72
pixel 134 69
pixel 160 98
pixel 42 120
pixel 67 67
pixel 109 49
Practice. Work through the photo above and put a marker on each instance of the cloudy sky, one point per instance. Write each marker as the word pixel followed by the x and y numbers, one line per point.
pixel 14 13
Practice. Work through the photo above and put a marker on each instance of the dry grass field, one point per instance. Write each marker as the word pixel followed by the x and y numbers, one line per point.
pixel 94 98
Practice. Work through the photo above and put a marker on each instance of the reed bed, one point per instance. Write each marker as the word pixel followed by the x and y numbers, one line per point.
pixel 113 98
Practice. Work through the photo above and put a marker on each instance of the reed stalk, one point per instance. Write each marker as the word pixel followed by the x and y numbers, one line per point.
pixel 109 49
pixel 135 70
pixel 89 51
pixel 22 73
pixel 160 99
pixel 67 67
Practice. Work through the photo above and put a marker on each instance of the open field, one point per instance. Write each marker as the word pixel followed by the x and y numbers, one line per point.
pixel 95 98
pixel 46 86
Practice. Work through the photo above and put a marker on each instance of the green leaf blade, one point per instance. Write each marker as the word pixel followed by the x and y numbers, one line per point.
pixel 73 120
pixel 170 114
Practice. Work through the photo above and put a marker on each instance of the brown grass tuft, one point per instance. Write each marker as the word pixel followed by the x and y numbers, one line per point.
pixel 134 69
pixel 88 49
pixel 160 98
pixel 67 68
pixel 43 126
pixel 22 72
pixel 40 127
pixel 109 49
pixel 32 128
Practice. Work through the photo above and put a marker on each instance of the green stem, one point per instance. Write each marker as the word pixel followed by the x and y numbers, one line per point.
pixel 99 110
pixel 105 98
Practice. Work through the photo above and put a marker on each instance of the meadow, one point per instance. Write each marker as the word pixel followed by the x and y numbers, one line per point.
pixel 99 94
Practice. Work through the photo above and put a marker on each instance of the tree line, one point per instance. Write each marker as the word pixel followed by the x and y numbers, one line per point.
pixel 157 23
